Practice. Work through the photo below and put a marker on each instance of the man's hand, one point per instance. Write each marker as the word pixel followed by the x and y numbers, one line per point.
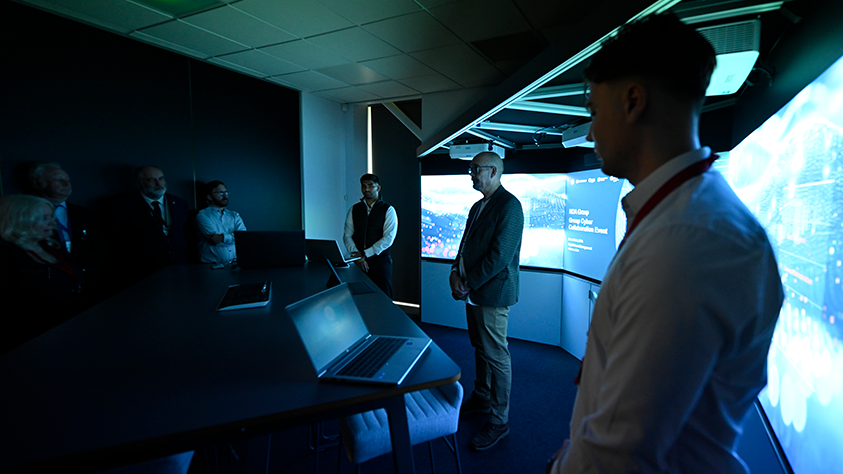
pixel 459 289
pixel 362 263
pixel 216 238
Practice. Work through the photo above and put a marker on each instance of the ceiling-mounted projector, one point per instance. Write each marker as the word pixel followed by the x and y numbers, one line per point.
pixel 736 46
pixel 470 150
pixel 575 136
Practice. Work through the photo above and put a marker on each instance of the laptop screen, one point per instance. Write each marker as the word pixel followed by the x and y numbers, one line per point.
pixel 328 324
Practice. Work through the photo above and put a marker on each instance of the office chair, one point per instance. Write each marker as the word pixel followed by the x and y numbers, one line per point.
pixel 431 414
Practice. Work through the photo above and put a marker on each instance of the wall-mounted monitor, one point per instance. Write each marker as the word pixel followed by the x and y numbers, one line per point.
pixel 789 172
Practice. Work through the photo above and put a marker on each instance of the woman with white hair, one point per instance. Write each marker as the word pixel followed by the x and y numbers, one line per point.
pixel 39 285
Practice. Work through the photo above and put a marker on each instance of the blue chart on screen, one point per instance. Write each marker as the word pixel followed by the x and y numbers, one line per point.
pixel 789 172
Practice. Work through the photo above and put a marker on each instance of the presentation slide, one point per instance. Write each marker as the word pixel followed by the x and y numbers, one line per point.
pixel 571 221
pixel 595 223
pixel 789 172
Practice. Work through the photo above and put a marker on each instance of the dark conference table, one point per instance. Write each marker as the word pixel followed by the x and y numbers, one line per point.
pixel 155 370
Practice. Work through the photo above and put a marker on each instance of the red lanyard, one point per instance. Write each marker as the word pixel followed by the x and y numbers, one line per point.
pixel 677 180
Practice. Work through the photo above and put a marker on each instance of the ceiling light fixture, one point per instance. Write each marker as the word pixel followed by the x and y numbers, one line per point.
pixel 511 127
pixel 545 108
pixel 488 136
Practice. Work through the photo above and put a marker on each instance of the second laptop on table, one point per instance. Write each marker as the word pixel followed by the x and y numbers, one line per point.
pixel 340 345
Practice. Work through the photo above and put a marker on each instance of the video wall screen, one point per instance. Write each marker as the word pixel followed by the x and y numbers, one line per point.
pixel 789 172
pixel 571 221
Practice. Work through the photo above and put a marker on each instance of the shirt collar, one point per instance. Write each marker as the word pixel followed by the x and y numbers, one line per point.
pixel 635 200
pixel 150 201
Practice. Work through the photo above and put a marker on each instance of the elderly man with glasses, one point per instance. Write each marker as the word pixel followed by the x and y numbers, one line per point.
pixel 485 275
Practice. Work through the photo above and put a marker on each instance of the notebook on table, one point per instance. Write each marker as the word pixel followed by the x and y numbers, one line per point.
pixel 277 248
pixel 341 347
pixel 318 249
pixel 246 295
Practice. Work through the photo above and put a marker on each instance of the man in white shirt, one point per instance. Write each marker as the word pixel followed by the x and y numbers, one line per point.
pixel 370 229
pixel 678 342
pixel 216 225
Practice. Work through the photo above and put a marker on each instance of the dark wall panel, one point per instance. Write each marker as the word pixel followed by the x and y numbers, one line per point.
pixel 101 104
pixel 247 135
pixel 394 161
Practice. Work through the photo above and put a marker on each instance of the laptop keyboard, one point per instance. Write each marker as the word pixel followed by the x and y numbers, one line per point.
pixel 368 362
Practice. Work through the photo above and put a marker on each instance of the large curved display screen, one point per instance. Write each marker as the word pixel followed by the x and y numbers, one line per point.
pixel 789 172
pixel 571 221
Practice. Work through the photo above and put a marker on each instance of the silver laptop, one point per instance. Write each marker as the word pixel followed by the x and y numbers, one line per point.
pixel 339 344
pixel 319 250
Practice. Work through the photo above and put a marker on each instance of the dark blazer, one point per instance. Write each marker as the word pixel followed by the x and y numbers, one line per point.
pixel 86 240
pixel 491 247
pixel 144 248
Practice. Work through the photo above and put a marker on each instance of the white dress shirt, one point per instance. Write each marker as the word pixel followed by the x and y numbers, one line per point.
pixel 218 221
pixel 390 230
pixel 678 343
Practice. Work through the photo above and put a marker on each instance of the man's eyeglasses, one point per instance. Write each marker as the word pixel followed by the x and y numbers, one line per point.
pixel 220 193
pixel 476 169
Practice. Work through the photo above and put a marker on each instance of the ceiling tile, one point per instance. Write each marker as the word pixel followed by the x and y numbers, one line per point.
pixel 196 39
pixel 261 62
pixel 435 3
pixel 116 15
pixel 309 81
pixel 305 54
pixel 428 84
pixel 236 67
pixel 238 26
pixel 353 74
pixel 365 11
pixel 348 94
pixel 355 44
pixel 139 35
pixel 389 89
pixel 460 64
pixel 180 7
pixel 413 32
pixel 301 18
pixel 398 67
pixel 474 20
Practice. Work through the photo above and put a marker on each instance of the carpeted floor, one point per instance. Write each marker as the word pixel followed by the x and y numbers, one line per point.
pixel 542 397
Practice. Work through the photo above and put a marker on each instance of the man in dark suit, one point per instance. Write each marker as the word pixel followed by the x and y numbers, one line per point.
pixel 151 230
pixel 77 227
pixel 485 275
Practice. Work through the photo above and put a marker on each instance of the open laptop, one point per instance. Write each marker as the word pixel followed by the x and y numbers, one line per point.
pixel 338 342
pixel 320 249
pixel 355 287
pixel 277 248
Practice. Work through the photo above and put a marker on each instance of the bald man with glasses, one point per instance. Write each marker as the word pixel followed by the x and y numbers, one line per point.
pixel 486 276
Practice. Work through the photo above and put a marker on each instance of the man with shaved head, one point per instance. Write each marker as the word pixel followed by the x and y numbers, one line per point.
pixel 485 276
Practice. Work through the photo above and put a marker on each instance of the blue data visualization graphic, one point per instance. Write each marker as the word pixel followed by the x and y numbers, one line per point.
pixel 789 172
pixel 447 199
pixel 570 220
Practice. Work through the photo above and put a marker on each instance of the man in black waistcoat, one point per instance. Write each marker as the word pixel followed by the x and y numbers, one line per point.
pixel 370 229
